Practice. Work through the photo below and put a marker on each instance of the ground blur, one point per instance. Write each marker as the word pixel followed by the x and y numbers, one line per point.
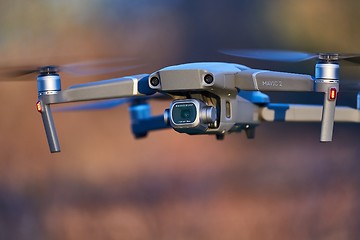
pixel 106 185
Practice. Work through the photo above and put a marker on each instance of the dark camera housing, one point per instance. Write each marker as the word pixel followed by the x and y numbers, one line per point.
pixel 191 116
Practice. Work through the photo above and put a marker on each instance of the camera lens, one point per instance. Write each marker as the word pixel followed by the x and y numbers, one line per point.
pixel 185 113
pixel 192 116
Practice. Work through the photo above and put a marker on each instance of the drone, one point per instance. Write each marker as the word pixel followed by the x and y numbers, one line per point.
pixel 214 98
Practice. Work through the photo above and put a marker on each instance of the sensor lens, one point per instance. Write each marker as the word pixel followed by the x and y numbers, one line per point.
pixel 154 81
pixel 208 79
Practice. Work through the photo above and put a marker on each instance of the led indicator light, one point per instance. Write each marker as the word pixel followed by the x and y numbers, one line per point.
pixel 39 107
pixel 332 94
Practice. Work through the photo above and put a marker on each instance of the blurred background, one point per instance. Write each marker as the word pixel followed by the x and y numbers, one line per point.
pixel 107 185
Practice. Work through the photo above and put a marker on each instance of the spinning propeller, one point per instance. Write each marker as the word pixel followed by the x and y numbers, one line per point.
pixel 295 56
pixel 84 68
pixel 290 56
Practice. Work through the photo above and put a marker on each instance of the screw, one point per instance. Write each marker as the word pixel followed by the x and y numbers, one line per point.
pixel 48 70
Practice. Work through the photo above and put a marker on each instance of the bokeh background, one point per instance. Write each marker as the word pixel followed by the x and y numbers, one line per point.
pixel 107 185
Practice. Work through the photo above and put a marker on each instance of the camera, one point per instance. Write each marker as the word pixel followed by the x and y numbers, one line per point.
pixel 191 116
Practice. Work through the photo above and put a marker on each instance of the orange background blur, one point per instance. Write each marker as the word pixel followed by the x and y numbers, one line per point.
pixel 107 185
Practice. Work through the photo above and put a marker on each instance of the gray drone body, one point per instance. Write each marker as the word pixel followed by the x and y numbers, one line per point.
pixel 208 98
pixel 212 84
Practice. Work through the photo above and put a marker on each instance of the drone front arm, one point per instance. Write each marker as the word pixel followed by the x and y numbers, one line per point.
pixel 113 88
pixel 306 113
pixel 263 80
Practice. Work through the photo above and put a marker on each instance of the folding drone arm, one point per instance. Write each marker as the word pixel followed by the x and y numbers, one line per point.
pixel 305 113
pixel 326 81
pixel 113 88
pixel 263 80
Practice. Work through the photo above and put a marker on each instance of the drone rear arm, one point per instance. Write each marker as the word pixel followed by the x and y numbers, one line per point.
pixel 305 113
pixel 114 88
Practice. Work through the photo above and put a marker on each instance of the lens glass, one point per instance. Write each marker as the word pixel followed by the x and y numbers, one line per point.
pixel 183 113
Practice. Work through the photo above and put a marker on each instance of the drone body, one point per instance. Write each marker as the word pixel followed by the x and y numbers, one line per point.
pixel 208 98
pixel 212 84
